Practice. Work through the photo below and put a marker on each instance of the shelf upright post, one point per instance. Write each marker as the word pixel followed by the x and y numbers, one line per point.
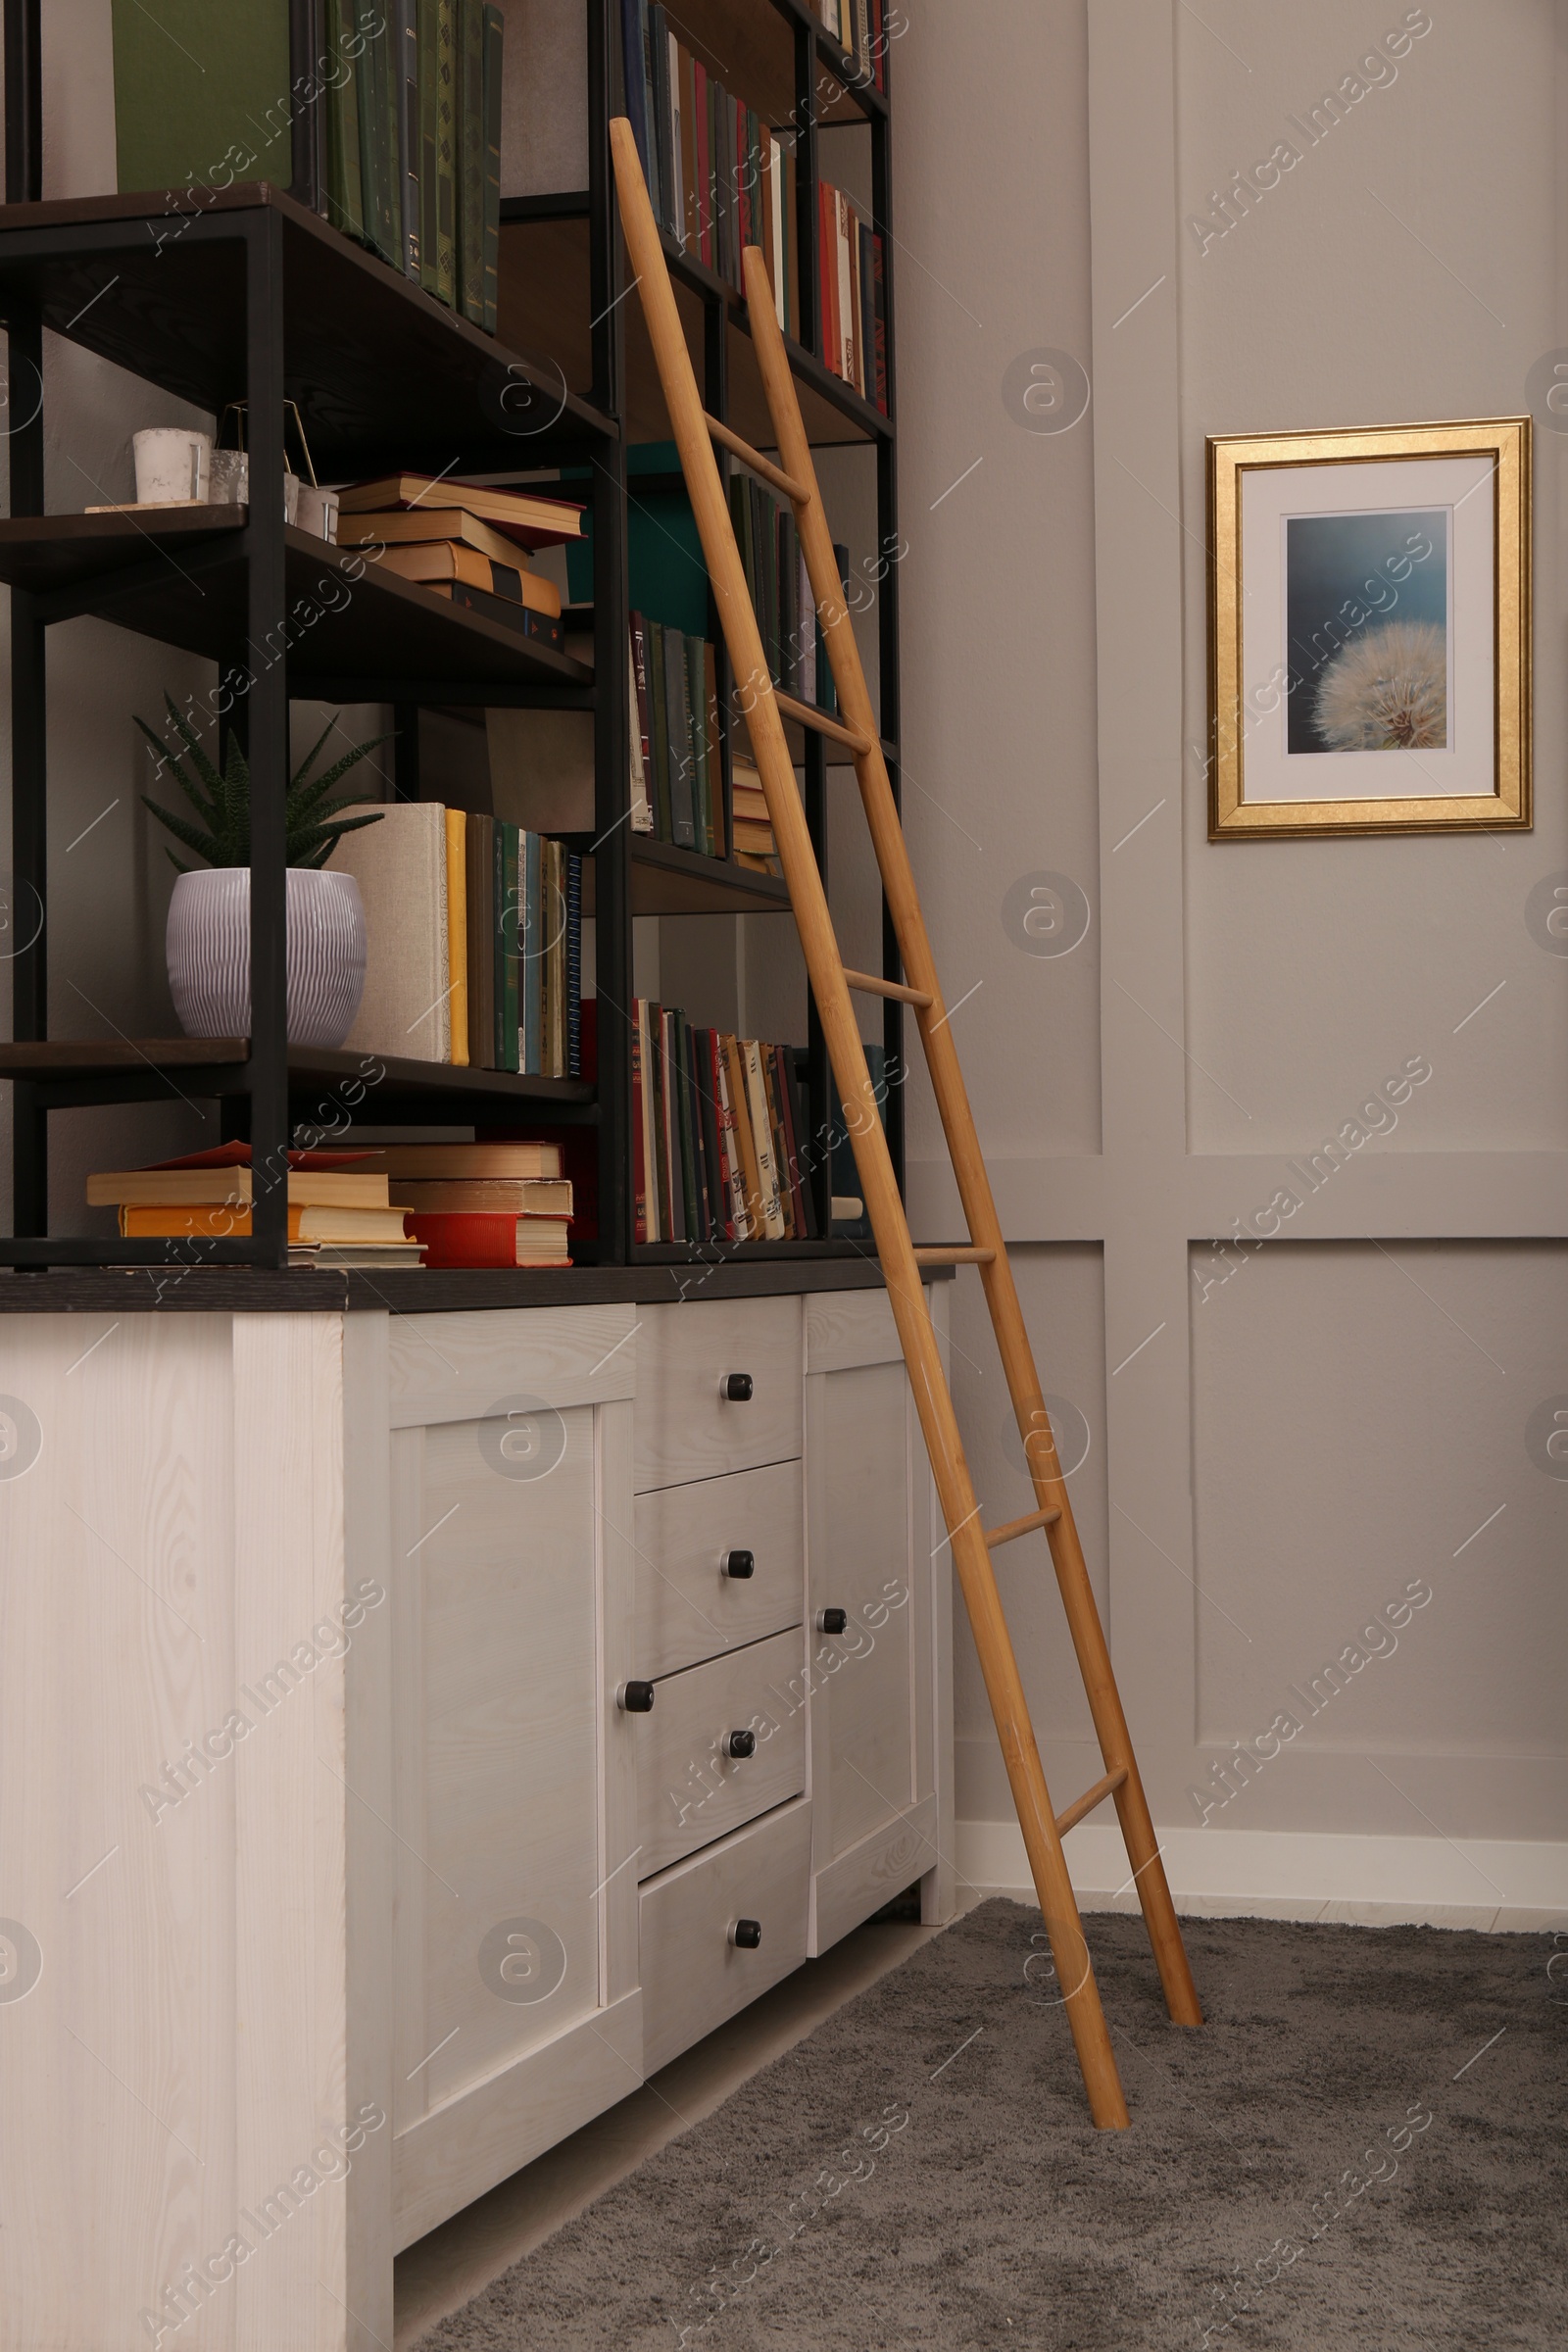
pixel 611 851
pixel 889 549
pixel 267 607
pixel 23 63
pixel 28 943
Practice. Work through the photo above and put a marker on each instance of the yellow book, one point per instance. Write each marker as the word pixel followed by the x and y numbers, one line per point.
pixel 458 931
pixel 225 1219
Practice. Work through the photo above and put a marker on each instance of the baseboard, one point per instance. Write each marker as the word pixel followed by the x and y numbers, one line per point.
pixel 1282 1873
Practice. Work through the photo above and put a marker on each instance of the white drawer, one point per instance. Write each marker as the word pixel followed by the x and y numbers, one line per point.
pixel 687 1608
pixel 684 1429
pixel 689 1789
pixel 694 1976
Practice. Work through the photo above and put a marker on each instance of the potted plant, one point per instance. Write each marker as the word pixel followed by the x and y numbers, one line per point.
pixel 208 940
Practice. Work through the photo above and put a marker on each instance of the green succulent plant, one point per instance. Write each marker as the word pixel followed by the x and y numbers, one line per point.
pixel 312 826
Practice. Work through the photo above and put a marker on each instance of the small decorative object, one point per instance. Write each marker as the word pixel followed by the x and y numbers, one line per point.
pixel 208 942
pixel 230 468
pixel 317 512
pixel 173 463
pixel 306 505
pixel 1369 630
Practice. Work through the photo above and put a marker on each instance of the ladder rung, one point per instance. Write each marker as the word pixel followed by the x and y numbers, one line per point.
pixel 1022 1527
pixel 1090 1799
pixel 871 987
pixel 785 483
pixel 953 1257
pixel 820 723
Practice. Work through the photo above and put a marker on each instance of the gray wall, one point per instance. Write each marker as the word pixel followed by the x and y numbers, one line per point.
pixel 1274 1455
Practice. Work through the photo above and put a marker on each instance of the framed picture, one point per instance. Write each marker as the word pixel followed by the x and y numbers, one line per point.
pixel 1369 630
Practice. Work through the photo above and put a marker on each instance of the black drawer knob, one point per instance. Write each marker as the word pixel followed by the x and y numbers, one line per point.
pixel 637 1699
pixel 740 1743
pixel 740 1563
pixel 736 1388
pixel 746 1934
pixel 832 1621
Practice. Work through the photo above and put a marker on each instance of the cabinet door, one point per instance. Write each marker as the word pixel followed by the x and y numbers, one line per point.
pixel 514 2018
pixel 874 1749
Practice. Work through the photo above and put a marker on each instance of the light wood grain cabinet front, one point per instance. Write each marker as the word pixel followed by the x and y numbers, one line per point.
pixel 690 1357
pixel 719 1563
pixel 724 1742
pixel 700 1962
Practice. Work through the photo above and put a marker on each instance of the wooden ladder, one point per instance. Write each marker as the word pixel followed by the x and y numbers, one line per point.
pixel 766 709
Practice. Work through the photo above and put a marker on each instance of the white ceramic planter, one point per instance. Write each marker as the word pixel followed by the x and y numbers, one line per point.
pixel 208 950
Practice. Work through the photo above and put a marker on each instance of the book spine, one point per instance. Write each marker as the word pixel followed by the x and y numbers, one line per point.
pixel 784 1093
pixel 795 1095
pixel 405 62
pixel 662 830
pixel 476 900
pixel 490 234
pixel 642 815
pixel 498 942
pixel 693 237
pixel 633 72
pixel 559 1022
pixel 573 964
pixel 762 1140
pixel 677 140
pixel 671 1192
pixel 827 271
pixel 345 203
pixel 690 1166
pixel 470 162
pixel 702 797
pixel 677 705
pixel 657 1228
pixel 712 1156
pixel 734 1204
pixel 639 1155
pixel 514 947
pixel 658 130
pixel 700 163
pixel 457 827
pixel 844 360
pixel 776 179
pixel 879 322
pixel 717 846
pixel 446 132
pixel 429 79
pixel 775 1129
pixel 745 1141
pixel 528 955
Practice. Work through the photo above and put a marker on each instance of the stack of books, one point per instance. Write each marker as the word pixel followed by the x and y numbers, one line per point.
pixel 474 941
pixel 413 143
pixel 676 754
pixel 482 1204
pixel 718 178
pixel 339 1210
pixel 781 592
pixel 716 1133
pixel 752 825
pixel 463 544
pixel 854 322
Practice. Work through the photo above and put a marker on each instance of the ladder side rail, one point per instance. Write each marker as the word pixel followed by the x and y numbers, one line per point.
pixel 969 1169
pixel 933 1403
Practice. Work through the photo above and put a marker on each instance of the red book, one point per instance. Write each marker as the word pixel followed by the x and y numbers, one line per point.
pixel 485 1237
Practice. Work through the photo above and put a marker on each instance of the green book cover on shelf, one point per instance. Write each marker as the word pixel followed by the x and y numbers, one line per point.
pixel 659 722
pixel 490 242
pixel 378 147
pixel 446 133
pixel 430 46
pixel 532 944
pixel 406 65
pixel 470 160
pixel 511 942
pixel 202 94
pixel 497 940
pixel 345 203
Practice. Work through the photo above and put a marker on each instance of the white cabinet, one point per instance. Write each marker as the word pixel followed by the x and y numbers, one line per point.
pixel 351 1885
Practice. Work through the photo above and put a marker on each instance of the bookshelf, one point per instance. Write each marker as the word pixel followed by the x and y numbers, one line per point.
pixel 257 297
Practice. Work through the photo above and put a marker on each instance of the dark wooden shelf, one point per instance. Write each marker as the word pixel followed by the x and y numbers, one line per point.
pixel 383 374
pixel 68 1072
pixel 666 880
pixel 180 576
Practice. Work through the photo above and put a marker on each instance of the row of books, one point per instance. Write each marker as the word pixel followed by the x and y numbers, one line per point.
pixel 718 178
pixel 716 1133
pixel 854 320
pixel 675 749
pixel 439 1205
pixel 413 144
pixel 774 565
pixel 474 941
pixel 859 26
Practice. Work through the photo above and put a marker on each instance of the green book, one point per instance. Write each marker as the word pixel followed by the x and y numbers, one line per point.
pixel 497 941
pixel 446 131
pixel 490 243
pixel 533 937
pixel 202 94
pixel 658 727
pixel 696 692
pixel 510 939
pixel 390 98
pixel 345 205
pixel 384 230
pixel 430 12
pixel 471 160
pixel 406 62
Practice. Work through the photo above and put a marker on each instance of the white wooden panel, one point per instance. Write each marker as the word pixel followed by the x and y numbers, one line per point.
pixel 618 1828
pixel 687 1608
pixel 871 1874
pixel 848 1328
pixel 863 1682
pixel 693 1976
pixel 684 1430
pixel 457 1367
pixel 449 2158
pixel 499 1754
pixel 688 1792
pixel 939 1888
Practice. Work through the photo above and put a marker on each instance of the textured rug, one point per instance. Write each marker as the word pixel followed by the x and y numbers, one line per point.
pixel 1363 2148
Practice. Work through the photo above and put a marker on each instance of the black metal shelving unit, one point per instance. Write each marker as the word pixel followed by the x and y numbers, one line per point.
pixel 249 293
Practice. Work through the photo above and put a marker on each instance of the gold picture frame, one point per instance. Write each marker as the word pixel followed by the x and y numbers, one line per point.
pixel 1432 708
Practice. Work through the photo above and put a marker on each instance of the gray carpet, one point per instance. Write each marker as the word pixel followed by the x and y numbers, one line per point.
pixel 1338 2159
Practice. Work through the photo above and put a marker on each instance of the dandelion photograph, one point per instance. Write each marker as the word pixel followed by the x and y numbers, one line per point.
pixel 1367 612
pixel 1369 639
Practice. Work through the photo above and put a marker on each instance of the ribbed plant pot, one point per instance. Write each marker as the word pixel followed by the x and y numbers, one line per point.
pixel 208 950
